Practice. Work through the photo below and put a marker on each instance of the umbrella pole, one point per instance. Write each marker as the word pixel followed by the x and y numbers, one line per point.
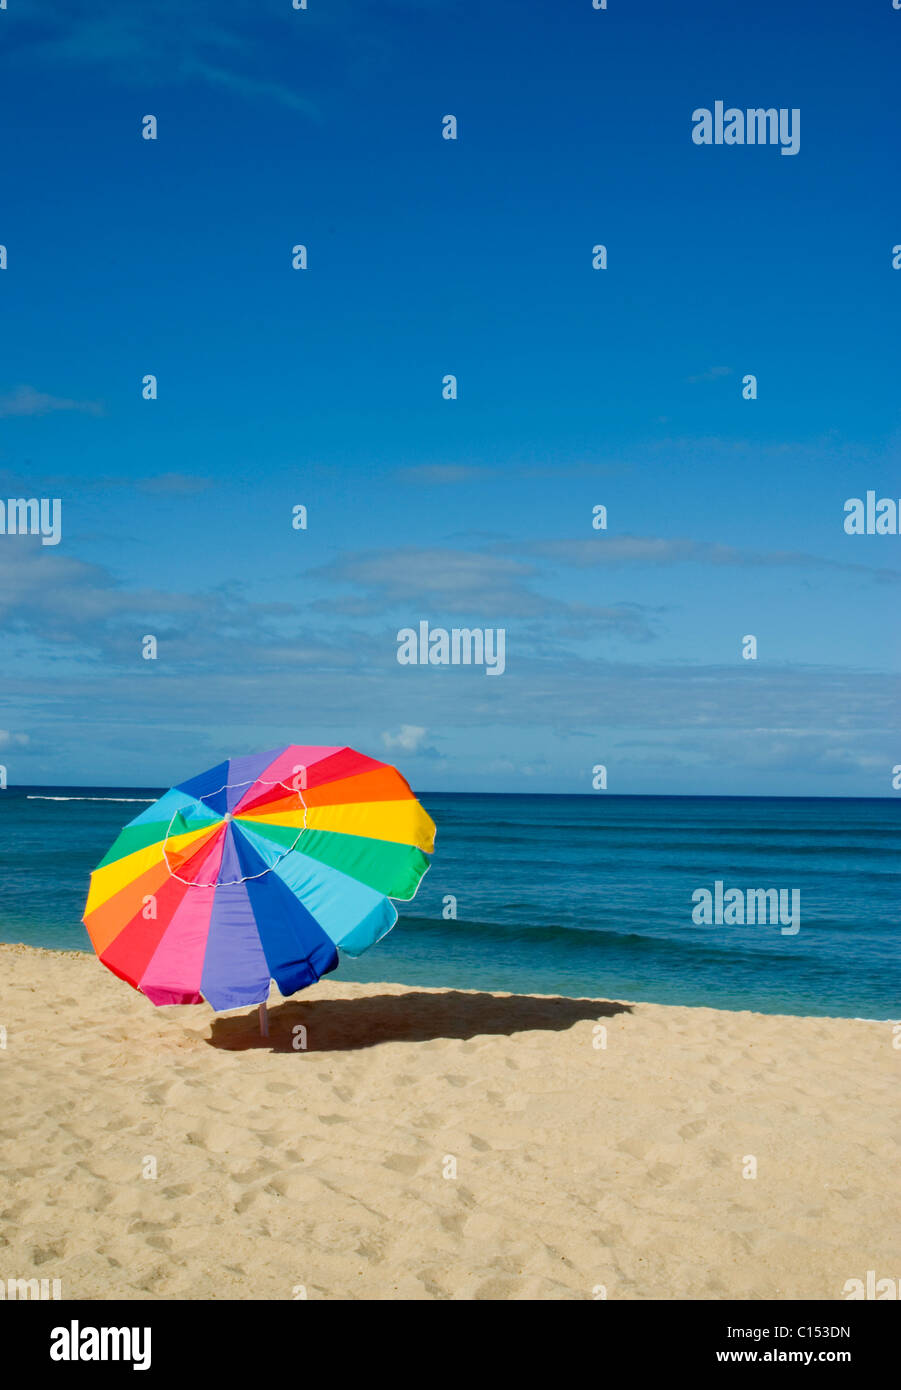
pixel 264 1021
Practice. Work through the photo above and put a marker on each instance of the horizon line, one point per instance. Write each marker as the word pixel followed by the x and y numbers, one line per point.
pixel 618 796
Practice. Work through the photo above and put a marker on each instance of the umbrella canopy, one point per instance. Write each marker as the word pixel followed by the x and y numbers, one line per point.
pixel 258 870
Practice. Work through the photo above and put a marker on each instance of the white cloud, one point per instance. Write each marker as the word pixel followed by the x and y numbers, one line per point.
pixel 408 739
pixel 8 740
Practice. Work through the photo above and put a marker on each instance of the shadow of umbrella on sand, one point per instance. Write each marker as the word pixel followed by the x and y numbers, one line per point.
pixel 260 869
pixel 347 1025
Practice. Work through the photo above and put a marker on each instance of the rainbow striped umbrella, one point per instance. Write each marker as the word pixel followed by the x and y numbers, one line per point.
pixel 258 870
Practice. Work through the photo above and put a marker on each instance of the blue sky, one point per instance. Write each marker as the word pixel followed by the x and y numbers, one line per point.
pixel 576 387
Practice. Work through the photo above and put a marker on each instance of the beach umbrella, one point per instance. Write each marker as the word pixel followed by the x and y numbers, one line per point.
pixel 258 870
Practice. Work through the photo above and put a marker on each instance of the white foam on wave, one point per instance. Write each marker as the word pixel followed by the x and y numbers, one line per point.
pixel 149 800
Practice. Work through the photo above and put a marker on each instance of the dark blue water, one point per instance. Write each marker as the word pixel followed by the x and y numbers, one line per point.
pixel 575 895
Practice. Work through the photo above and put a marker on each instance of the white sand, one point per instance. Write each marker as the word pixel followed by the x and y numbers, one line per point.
pixel 576 1166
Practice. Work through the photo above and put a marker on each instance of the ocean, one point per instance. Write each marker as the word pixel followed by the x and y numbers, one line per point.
pixel 573 895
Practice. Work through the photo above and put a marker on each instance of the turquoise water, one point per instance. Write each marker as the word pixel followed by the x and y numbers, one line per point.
pixel 574 895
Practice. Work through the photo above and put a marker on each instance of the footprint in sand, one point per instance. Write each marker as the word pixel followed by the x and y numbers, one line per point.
pixel 53 1252
pixel 499 1290
pixel 296 1187
pixel 152 1228
pixel 402 1163
pixel 635 1148
pixel 426 1121
pixel 157 1095
pixel 262 1168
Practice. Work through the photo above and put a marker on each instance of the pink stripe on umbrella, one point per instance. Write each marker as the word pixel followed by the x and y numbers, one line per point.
pixel 284 769
pixel 176 966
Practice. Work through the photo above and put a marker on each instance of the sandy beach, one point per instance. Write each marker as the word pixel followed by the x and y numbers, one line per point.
pixel 329 1172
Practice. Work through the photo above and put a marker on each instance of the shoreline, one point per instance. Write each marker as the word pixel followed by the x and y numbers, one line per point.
pixel 88 953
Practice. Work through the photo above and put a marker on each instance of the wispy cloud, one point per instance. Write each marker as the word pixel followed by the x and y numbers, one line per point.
pixel 452 576
pixel 65 484
pixel 648 551
pixel 449 474
pixel 712 374
pixel 170 484
pixel 688 722
pixel 443 474
pixel 82 610
pixel 465 583
pixel 26 400
pixel 227 46
pixel 230 667
pixel 245 86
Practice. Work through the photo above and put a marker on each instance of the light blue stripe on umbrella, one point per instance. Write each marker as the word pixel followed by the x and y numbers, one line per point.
pixel 176 800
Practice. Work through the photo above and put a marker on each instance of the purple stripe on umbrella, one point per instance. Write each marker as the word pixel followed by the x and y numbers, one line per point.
pixel 244 771
pixel 235 969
